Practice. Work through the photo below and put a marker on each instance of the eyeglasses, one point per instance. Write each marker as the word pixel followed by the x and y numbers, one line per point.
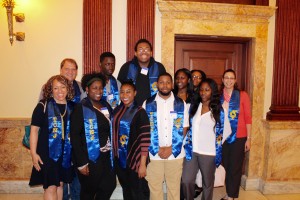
pixel 146 50
pixel 229 78
pixel 196 77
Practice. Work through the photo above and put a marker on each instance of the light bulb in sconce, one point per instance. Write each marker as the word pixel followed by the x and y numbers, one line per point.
pixel 9 5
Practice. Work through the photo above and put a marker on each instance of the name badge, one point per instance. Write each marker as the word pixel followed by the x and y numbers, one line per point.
pixel 144 71
pixel 173 114
pixel 110 97
pixel 105 112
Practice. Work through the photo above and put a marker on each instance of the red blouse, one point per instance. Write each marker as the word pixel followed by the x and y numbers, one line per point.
pixel 244 115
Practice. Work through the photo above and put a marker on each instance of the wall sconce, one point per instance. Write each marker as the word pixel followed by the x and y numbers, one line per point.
pixel 9 5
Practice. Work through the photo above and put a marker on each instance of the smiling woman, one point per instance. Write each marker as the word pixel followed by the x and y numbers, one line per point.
pixel 91 141
pixel 50 149
pixel 131 139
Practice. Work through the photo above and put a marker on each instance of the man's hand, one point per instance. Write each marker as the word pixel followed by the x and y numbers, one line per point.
pixel 165 152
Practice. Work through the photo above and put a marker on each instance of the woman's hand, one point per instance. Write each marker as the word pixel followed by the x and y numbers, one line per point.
pixel 142 171
pixel 248 144
pixel 36 161
pixel 85 170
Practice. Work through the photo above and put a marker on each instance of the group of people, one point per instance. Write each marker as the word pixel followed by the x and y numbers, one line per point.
pixel 142 128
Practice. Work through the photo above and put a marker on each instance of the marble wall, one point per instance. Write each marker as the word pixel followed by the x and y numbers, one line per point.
pixel 15 159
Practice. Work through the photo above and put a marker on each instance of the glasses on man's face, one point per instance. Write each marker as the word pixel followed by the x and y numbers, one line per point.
pixel 229 78
pixel 145 50
pixel 196 77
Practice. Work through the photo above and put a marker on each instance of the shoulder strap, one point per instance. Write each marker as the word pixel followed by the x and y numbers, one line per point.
pixel 44 105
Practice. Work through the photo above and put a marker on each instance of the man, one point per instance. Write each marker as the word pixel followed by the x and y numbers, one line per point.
pixel 168 129
pixel 69 68
pixel 112 88
pixel 143 70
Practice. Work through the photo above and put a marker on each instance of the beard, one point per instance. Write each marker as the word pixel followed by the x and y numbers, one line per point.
pixel 165 93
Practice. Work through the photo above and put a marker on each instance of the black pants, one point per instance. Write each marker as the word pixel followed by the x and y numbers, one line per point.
pixel 101 182
pixel 233 157
pixel 134 188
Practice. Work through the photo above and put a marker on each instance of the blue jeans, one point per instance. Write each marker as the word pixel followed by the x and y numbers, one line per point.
pixel 72 190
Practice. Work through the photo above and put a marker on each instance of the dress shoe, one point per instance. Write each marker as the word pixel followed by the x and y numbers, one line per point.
pixel 198 192
pixel 224 198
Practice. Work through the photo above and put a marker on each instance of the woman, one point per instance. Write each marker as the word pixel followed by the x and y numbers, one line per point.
pixel 131 139
pixel 197 77
pixel 204 144
pixel 90 137
pixel 183 86
pixel 238 104
pixel 51 149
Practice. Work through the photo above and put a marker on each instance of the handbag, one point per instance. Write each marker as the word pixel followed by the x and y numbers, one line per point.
pixel 26 137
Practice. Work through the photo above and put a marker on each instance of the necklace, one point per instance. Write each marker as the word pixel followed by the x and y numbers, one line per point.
pixel 96 108
pixel 62 123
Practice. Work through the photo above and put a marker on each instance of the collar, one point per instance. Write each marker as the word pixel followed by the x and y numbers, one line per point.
pixel 171 98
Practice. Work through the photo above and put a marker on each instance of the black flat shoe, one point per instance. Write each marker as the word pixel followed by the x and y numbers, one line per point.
pixel 198 192
pixel 224 198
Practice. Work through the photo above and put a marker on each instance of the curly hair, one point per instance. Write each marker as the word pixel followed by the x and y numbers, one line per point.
pixel 88 79
pixel 214 104
pixel 130 83
pixel 48 90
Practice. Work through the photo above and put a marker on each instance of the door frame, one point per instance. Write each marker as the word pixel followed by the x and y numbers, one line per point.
pixel 247 48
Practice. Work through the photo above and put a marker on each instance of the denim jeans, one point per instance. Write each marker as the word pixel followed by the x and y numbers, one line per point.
pixel 72 190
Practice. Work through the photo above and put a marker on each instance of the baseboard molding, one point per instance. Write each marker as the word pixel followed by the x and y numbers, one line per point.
pixel 282 187
pixel 250 183
pixel 19 187
pixel 274 187
pixel 22 187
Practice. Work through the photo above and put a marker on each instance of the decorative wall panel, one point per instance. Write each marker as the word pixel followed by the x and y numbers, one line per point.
pixel 97 34
pixel 286 74
pixel 140 23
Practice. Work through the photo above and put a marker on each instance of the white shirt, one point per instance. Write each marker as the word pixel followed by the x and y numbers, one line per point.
pixel 203 132
pixel 165 124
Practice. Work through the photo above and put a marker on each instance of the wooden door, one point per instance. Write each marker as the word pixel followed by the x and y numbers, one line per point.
pixel 214 55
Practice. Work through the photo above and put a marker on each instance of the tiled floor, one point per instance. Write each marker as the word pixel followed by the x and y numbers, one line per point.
pixel 218 192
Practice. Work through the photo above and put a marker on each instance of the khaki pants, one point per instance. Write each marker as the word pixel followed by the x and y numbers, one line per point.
pixel 168 170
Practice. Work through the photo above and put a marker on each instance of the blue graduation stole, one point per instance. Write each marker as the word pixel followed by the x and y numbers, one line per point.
pixel 233 114
pixel 76 98
pixel 91 133
pixel 55 137
pixel 114 101
pixel 152 74
pixel 219 135
pixel 124 133
pixel 177 131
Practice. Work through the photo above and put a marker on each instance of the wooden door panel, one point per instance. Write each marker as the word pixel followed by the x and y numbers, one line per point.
pixel 213 57
pixel 213 64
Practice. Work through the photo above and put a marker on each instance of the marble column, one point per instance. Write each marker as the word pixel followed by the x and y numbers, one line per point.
pixel 285 93
pixel 140 23
pixel 97 32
